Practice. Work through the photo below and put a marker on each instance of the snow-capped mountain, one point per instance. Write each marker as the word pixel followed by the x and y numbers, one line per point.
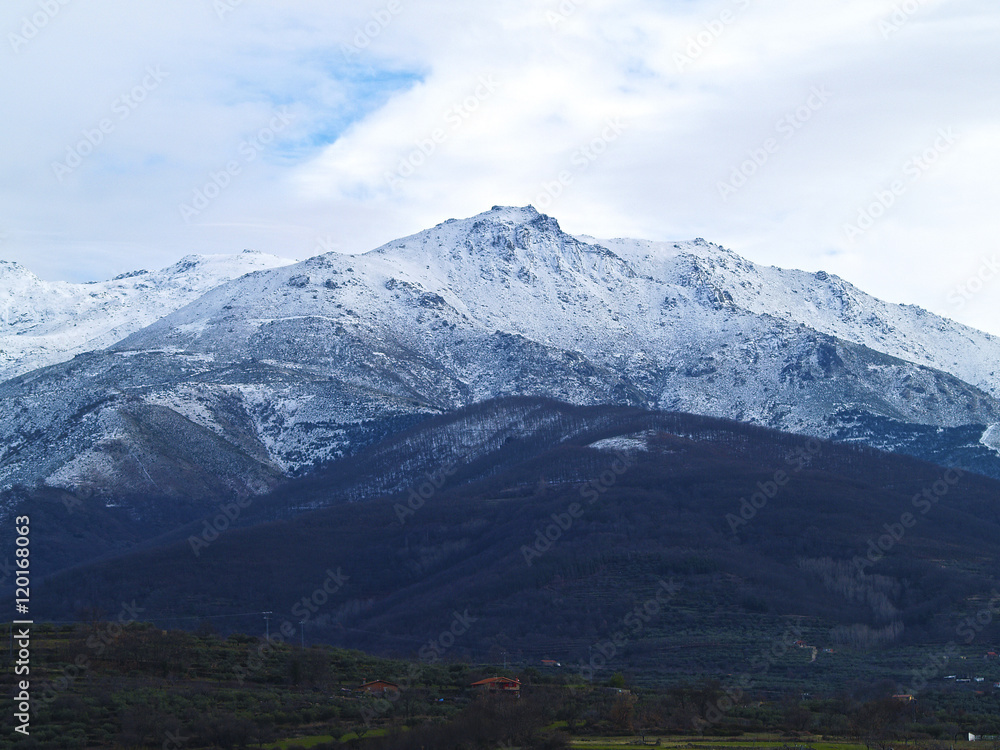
pixel 277 370
pixel 828 304
pixel 42 322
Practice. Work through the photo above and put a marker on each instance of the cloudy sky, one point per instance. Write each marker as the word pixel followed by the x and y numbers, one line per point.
pixel 861 137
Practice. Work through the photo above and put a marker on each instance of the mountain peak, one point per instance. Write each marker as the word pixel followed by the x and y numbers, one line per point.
pixel 295 365
pixel 509 215
pixel 510 241
pixel 517 213
pixel 10 269
pixel 509 234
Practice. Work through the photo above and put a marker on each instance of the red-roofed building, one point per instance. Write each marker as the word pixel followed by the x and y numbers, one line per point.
pixel 378 687
pixel 503 685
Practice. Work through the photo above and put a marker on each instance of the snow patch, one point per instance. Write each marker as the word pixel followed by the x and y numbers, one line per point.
pixel 991 438
pixel 93 466
pixel 190 403
pixel 623 443
pixel 197 327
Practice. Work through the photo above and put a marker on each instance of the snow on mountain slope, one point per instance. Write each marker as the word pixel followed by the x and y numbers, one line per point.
pixel 513 270
pixel 47 322
pixel 304 363
pixel 828 304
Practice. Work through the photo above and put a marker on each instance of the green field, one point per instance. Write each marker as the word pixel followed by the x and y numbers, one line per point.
pixel 699 743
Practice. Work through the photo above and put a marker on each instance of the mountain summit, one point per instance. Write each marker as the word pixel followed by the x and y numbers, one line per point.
pixel 272 373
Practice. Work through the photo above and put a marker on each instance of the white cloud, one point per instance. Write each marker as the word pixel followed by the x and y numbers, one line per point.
pixel 562 68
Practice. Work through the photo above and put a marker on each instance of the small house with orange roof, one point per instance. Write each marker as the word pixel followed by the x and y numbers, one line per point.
pixel 503 685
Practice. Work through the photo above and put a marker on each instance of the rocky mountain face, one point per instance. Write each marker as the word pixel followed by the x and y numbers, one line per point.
pixel 268 375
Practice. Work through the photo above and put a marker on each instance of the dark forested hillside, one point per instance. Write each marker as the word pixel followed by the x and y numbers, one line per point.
pixel 671 543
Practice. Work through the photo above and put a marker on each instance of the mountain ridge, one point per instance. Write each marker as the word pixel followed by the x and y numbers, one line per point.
pixel 286 368
pixel 49 322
